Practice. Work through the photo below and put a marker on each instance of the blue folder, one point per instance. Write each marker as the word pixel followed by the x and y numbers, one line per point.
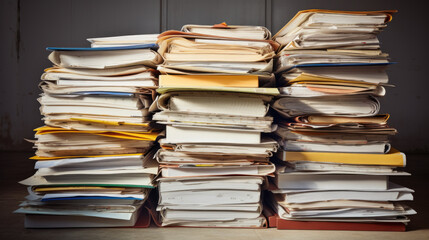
pixel 104 93
pixel 140 46
pixel 337 65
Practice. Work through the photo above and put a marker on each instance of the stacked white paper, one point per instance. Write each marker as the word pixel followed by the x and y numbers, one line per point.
pixel 95 155
pixel 332 71
pixel 214 158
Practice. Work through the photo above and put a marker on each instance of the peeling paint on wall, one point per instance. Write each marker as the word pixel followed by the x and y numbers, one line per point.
pixel 18 29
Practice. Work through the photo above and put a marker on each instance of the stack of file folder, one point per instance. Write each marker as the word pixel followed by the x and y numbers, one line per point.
pixel 218 49
pixel 332 52
pixel 95 156
pixel 232 125
pixel 215 157
pixel 336 158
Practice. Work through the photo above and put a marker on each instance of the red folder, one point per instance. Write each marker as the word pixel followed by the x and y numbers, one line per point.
pixel 341 226
pixel 271 217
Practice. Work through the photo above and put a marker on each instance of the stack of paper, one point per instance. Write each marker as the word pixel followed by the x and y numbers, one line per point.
pixel 120 41
pixel 231 201
pixel 328 53
pixel 328 86
pixel 95 156
pixel 229 97
pixel 215 156
pixel 340 187
pixel 100 88
pixel 220 49
pixel 331 72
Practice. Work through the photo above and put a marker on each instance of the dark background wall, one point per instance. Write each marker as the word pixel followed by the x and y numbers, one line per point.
pixel 27 27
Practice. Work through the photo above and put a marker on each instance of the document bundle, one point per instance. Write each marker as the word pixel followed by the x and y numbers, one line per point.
pixel 336 158
pixel 215 157
pixel 120 41
pixel 218 49
pixel 232 126
pixel 95 165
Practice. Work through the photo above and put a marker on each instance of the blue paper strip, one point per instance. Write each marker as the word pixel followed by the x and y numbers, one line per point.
pixel 104 93
pixel 140 46
pixel 337 65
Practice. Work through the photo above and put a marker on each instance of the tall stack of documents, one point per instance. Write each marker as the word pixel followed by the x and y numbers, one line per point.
pixel 95 156
pixel 336 156
pixel 215 157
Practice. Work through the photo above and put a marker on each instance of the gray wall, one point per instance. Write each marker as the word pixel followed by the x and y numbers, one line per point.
pixel 27 27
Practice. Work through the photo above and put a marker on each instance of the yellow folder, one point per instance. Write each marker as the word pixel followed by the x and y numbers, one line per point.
pixel 208 81
pixel 144 136
pixel 76 188
pixel 40 158
pixel 106 122
pixel 392 158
